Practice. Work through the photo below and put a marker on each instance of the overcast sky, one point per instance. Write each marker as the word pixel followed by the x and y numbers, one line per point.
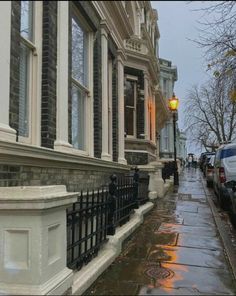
pixel 178 23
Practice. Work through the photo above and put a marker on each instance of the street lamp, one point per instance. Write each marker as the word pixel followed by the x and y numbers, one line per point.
pixel 173 104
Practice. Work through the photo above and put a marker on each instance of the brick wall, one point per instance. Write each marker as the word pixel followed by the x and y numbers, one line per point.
pixel 115 112
pixel 113 54
pixel 97 97
pixel 49 74
pixel 14 65
pixel 74 179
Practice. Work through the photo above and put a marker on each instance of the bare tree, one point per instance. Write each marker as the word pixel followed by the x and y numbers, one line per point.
pixel 210 115
pixel 218 33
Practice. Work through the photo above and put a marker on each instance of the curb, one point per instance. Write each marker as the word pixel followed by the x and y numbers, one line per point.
pixel 222 229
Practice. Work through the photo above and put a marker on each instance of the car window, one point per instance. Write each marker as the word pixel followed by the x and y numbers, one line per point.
pixel 228 153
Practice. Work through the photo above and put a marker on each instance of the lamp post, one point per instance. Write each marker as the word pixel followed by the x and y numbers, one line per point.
pixel 173 104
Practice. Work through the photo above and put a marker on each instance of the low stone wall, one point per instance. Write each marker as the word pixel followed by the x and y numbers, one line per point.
pixel 24 165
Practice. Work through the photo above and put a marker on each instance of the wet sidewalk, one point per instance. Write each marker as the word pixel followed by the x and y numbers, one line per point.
pixel 177 251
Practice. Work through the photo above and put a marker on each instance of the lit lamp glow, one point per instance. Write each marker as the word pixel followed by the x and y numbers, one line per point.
pixel 173 103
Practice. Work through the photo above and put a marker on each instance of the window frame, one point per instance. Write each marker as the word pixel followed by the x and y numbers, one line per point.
pixel 88 100
pixel 133 79
pixel 33 76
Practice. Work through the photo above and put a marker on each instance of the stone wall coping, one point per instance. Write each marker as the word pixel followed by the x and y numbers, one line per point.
pixel 25 154
pixel 152 166
pixel 35 197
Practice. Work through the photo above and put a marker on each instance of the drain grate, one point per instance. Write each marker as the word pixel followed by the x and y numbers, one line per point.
pixel 158 272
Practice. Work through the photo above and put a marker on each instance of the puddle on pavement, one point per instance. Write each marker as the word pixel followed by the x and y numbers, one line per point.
pixel 166 238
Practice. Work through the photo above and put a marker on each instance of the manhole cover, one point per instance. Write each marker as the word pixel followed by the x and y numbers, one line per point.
pixel 184 196
pixel 158 272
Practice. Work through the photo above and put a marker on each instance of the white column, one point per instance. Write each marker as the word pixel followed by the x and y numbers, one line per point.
pixel 154 119
pixel 121 111
pixel 110 136
pixel 105 135
pixel 6 132
pixel 61 142
pixel 146 94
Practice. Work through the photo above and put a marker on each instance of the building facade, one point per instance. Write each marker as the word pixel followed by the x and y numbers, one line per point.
pixel 181 145
pixel 168 77
pixel 80 91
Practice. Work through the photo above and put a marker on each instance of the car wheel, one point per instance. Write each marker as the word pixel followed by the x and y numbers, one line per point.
pixel 232 216
pixel 209 184
pixel 224 202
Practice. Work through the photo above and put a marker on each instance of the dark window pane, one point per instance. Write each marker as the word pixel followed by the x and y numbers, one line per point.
pixel 129 121
pixel 129 93
pixel 228 152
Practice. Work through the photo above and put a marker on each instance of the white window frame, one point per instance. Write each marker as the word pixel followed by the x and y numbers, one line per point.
pixel 88 89
pixel 133 79
pixel 34 76
pixel 166 138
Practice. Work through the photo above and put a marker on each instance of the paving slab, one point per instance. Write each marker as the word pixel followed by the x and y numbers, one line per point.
pixel 192 219
pixel 186 240
pixel 192 208
pixel 194 230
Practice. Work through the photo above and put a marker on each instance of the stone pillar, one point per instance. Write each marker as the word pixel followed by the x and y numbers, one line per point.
pixel 121 109
pixel 105 134
pixel 156 183
pixel 6 132
pixel 33 240
pixel 146 94
pixel 61 142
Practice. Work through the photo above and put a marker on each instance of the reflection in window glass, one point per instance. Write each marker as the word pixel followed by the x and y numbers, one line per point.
pixel 23 91
pixel 26 27
pixel 129 93
pixel 78 52
pixel 78 118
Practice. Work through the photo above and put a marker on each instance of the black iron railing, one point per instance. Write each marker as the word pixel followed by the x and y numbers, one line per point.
pixel 97 214
pixel 86 227
pixel 143 188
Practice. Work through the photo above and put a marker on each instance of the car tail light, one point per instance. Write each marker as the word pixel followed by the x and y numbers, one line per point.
pixel 222 175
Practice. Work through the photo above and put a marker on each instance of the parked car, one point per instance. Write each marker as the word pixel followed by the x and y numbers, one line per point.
pixel 209 171
pixel 224 170
pixel 231 185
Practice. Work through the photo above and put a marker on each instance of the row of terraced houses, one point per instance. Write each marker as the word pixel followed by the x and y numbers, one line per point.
pixel 83 97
